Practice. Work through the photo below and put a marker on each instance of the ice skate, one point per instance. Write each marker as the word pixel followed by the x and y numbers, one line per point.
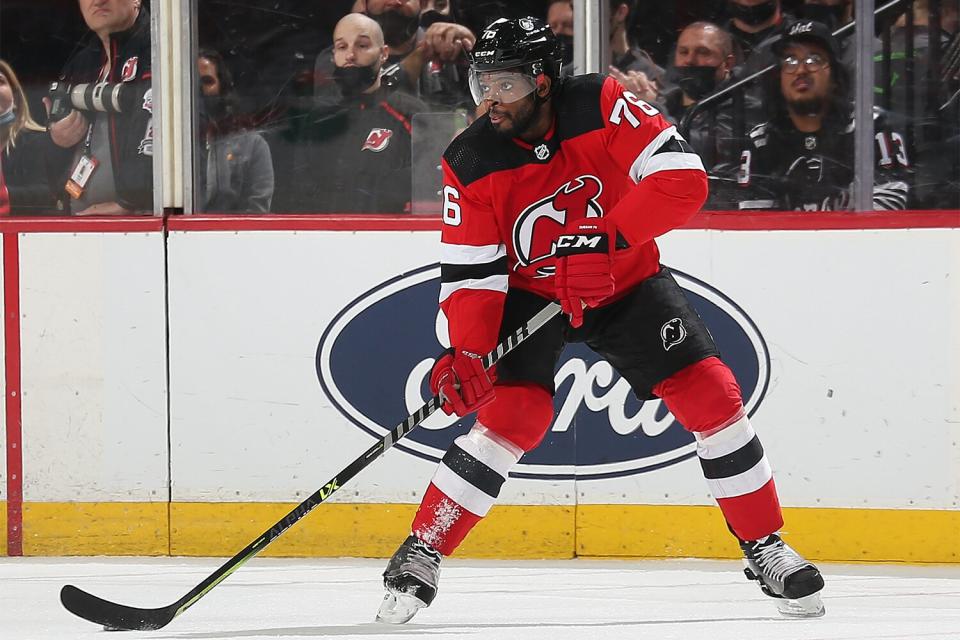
pixel 411 580
pixel 786 575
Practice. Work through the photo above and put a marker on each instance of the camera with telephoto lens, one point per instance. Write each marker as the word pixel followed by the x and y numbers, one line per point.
pixel 106 97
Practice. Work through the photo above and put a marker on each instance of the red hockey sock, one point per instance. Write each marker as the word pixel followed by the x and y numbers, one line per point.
pixel 754 515
pixel 441 522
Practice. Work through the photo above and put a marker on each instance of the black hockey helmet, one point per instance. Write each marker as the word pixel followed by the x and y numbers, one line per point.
pixel 526 45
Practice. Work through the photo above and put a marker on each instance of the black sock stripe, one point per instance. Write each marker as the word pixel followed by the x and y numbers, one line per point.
pixel 743 459
pixel 457 272
pixel 473 471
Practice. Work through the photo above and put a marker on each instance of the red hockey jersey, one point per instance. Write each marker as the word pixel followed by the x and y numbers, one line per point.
pixel 608 153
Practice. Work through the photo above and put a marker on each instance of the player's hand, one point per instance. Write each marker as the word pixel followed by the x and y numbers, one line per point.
pixel 446 41
pixel 584 275
pixel 69 131
pixel 461 381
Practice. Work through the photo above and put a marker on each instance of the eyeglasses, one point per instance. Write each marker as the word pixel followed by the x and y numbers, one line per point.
pixel 813 62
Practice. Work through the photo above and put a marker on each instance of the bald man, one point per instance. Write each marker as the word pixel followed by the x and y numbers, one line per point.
pixel 352 151
pixel 358 54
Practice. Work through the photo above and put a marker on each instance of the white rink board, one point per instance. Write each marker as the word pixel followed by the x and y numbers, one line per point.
pixel 93 367
pixel 860 411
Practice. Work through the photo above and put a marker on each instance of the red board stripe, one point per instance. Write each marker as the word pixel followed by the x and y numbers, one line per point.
pixel 11 324
pixel 714 220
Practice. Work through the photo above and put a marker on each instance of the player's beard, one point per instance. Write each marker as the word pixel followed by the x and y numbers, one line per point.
pixel 520 120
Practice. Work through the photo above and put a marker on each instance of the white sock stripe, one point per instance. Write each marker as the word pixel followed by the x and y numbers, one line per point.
pixel 462 492
pixel 726 441
pixel 471 254
pixel 490 453
pixel 743 483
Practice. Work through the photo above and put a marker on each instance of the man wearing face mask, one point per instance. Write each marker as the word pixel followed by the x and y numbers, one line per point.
pixel 238 167
pixel 631 66
pixel 702 63
pixel 425 51
pixel 833 13
pixel 353 157
pixel 753 22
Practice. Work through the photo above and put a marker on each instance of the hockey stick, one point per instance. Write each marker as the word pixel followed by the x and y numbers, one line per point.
pixel 115 616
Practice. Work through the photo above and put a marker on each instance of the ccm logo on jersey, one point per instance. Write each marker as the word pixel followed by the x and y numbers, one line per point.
pixel 377 140
pixel 601 429
pixel 540 223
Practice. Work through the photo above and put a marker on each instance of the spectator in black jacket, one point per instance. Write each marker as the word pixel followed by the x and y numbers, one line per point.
pixel 25 186
pixel 111 172
pixel 353 152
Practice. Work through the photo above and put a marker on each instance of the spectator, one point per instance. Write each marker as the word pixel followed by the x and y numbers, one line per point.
pixel 631 66
pixel 625 56
pixel 936 128
pixel 753 23
pixel 429 62
pixel 238 176
pixel 803 157
pixel 354 156
pixel 833 13
pixel 702 63
pixel 111 172
pixel 560 21
pixel 24 161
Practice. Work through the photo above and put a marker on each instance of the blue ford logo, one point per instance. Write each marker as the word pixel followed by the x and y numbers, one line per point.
pixel 374 360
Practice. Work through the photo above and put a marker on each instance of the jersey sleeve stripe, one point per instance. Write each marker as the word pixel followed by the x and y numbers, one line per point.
pixel 470 254
pixel 492 283
pixel 638 170
pixel 670 161
pixel 455 272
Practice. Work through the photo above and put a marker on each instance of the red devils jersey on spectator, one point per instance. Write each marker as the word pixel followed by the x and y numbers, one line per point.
pixel 607 154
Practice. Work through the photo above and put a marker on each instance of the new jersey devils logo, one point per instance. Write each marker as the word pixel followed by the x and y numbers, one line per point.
pixel 377 140
pixel 129 70
pixel 537 227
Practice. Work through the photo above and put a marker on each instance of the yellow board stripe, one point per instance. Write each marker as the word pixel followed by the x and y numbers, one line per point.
pixel 375 530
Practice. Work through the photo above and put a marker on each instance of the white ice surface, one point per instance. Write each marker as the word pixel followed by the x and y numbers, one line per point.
pixel 550 600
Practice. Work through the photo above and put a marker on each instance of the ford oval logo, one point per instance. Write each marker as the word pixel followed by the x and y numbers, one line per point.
pixel 375 357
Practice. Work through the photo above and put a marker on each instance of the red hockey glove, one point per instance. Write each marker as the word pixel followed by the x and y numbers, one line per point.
pixel 461 381
pixel 584 263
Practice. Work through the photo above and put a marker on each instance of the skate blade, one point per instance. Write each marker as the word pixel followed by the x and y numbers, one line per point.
pixel 398 608
pixel 806 607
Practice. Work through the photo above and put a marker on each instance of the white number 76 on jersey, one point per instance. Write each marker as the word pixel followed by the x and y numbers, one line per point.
pixel 621 109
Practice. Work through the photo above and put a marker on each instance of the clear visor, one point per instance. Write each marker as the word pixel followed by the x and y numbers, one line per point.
pixel 501 86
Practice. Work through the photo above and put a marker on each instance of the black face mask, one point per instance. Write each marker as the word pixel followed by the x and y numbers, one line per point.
pixel 355 80
pixel 830 15
pixel 397 28
pixel 215 107
pixel 696 82
pixel 566 47
pixel 755 15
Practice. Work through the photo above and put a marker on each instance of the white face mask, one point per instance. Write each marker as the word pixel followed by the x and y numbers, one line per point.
pixel 7 116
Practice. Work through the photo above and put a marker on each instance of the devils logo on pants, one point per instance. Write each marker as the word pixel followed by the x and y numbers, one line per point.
pixel 538 226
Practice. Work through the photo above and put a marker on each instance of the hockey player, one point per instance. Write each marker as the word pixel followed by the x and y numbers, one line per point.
pixel 802 158
pixel 557 193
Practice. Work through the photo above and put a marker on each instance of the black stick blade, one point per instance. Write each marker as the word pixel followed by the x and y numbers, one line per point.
pixel 114 616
